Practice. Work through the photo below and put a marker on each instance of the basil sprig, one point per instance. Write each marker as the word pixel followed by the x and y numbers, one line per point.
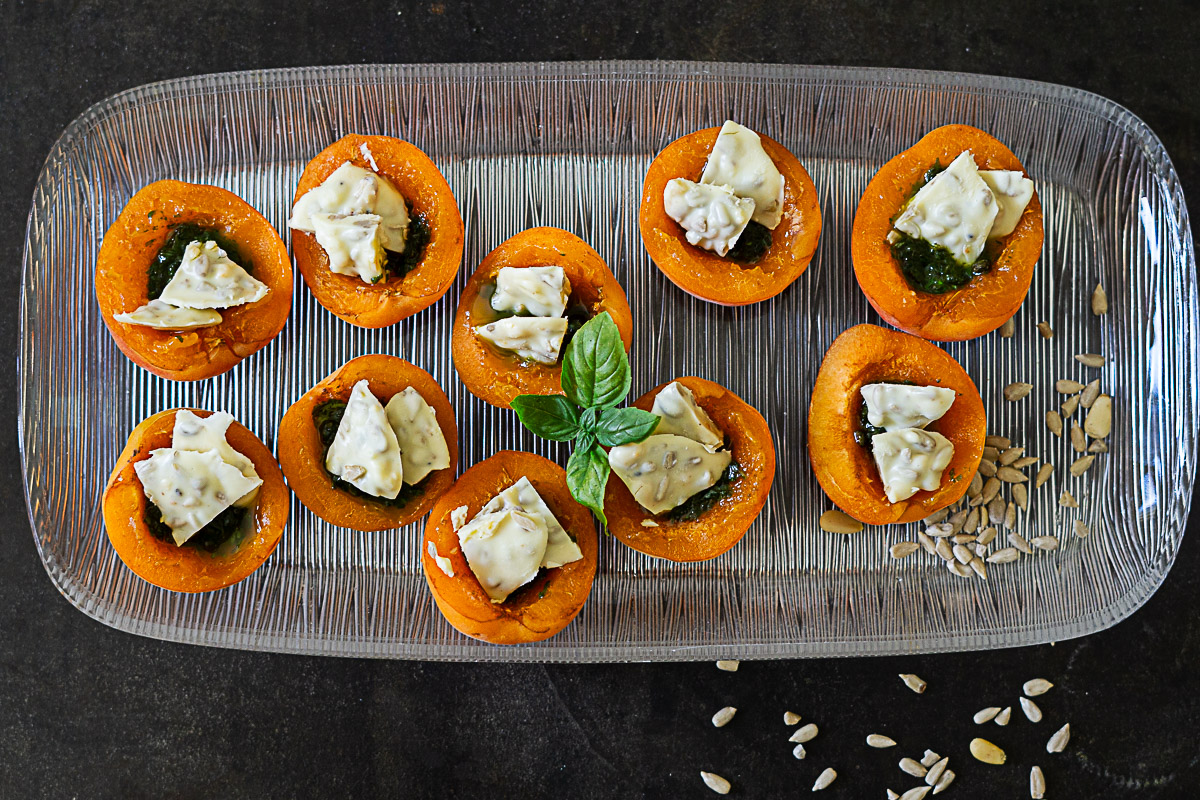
pixel 595 377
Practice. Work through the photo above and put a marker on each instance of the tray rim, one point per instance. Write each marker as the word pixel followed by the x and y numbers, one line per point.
pixel 1118 610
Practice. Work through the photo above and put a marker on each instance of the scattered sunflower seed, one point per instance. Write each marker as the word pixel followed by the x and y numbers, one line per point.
pixel 728 666
pixel 947 779
pixel 798 752
pixel 963 555
pixel 958 520
pixel 987 468
pixel 1067 501
pixel 1078 439
pixel 962 538
pixel 988 753
pixel 1081 529
pixel 1082 465
pixel 904 549
pixel 1018 541
pixel 941 530
pixel 1043 475
pixel 1021 496
pixel 1058 742
pixel 1045 542
pixel 986 535
pixel 915 793
pixel 986 715
pixel 936 516
pixel 972 523
pixel 980 549
pixel 1099 300
pixel 1010 455
pixel 880 741
pixel 975 486
pixel 1004 716
pixel 1036 687
pixel 1037 783
pixel 1099 420
pixel 1045 330
pixel 1010 516
pixel 1000 442
pixel 930 758
pixel 892 795
pixel 1054 422
pixel 824 779
pixel 1089 394
pixel 1010 475
pixel 1068 407
pixel 1091 359
pixel 913 767
pixel 1032 712
pixel 1004 556
pixel 715 782
pixel 991 453
pixel 835 521
pixel 1027 461
pixel 722 717
pixel 805 734
pixel 926 543
pixel 1098 446
pixel 990 489
pixel 977 565
pixel 996 510
pixel 1008 328
pixel 790 718
pixel 1017 391
pixel 944 549
pixel 961 570
pixel 935 772
pixel 913 682
pixel 1067 386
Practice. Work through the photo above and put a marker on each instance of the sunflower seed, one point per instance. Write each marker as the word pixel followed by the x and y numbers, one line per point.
pixel 958 520
pixel 1010 475
pixel 986 535
pixel 947 779
pixel 991 453
pixel 805 734
pixel 1054 422
pixel 722 717
pixel 1007 329
pixel 961 570
pixel 1081 529
pixel 1090 392
pixel 915 793
pixel 879 740
pixel 913 767
pixel 1031 710
pixel 835 521
pixel 990 489
pixel 1067 501
pixel 892 795
pixel 1021 496
pixel 944 549
pixel 904 549
pixel 1036 687
pixel 1004 556
pixel 1045 330
pixel 715 782
pixel 1067 386
pixel 936 517
pixel 1099 300
pixel 913 682
pixel 930 758
pixel 1043 475
pixel 997 441
pixel 1068 407
pixel 980 549
pixel 977 565
pixel 975 486
pixel 1094 360
pixel 935 772
pixel 962 538
pixel 1010 516
pixel 996 510
pixel 987 468
pixel 1010 455
pixel 986 715
pixel 1098 446
pixel 1045 542
pixel 926 543
pixel 1082 465
pixel 1078 439
pixel 728 666
pixel 1004 716
pixel 963 555
pixel 1017 391
pixel 972 523
pixel 1099 420
pixel 988 753
pixel 1018 541
pixel 1027 461
pixel 824 779
pixel 941 530
pixel 798 752
pixel 1058 742
pixel 1037 783
pixel 790 718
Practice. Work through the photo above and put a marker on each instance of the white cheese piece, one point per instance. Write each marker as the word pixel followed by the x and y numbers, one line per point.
pixel 365 452
pixel 458 517
pixel 954 210
pixel 207 278
pixel 535 338
pixel 539 291
pixel 208 433
pixel 712 217
pixel 164 316
pixel 190 488
pixel 352 243
pixel 521 496
pixel 910 459
pixel 739 162
pixel 422 444
pixel 679 413
pixel 444 564
pixel 664 470
pixel 352 190
pixel 1012 191
pixel 368 155
pixel 893 406
pixel 504 549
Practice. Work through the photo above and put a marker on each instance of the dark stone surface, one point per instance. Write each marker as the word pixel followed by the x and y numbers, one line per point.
pixel 89 712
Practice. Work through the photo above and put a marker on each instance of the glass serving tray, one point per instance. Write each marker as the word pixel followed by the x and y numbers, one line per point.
pixel 568 145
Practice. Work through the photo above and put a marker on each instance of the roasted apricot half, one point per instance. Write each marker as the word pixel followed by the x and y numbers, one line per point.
pixel 989 299
pixel 186 568
pixel 845 469
pixel 723 525
pixel 718 279
pixel 497 376
pixel 431 206
pixel 545 605
pixel 302 453
pixel 132 244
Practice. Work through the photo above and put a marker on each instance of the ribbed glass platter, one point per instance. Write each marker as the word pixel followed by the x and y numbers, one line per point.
pixel 567 145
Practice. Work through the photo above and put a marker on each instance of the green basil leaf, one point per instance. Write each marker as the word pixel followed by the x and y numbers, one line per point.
pixel 588 419
pixel 624 425
pixel 595 371
pixel 587 475
pixel 549 416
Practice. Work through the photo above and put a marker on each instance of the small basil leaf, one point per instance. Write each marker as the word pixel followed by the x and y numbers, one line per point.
pixel 588 419
pixel 595 370
pixel 587 475
pixel 624 425
pixel 549 416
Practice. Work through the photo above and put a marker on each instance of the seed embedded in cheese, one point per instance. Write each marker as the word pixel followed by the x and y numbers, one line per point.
pixel 712 217
pixel 164 316
pixel 1012 191
pixel 909 460
pixel 364 452
pixel 521 496
pixel 208 278
pixel 665 470
pixel 739 162
pixel 893 406
pixel 954 210
pixel 680 414
pixel 534 338
pixel 537 291
pixel 423 446
pixel 353 244
pixel 504 549
pixel 191 488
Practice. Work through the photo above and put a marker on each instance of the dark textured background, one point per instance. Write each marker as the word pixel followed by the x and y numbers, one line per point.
pixel 89 712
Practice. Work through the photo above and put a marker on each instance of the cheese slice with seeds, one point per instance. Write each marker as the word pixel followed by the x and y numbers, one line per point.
pixel 364 451
pixel 895 406
pixel 190 489
pixel 537 291
pixel 665 470
pixel 954 210
pixel 739 161
pixel 164 316
pixel 353 244
pixel 504 550
pixel 352 190
pixel 201 434
pixel 1012 191
pixel 680 414
pixel 910 460
pixel 535 338
pixel 208 278
pixel 521 496
pixel 422 444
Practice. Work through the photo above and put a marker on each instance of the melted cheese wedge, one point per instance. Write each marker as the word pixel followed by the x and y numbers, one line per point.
pixel 894 406
pixel 190 489
pixel 164 316
pixel 423 446
pixel 208 433
pixel 664 470
pixel 680 414
pixel 521 496
pixel 909 460
pixel 352 190
pixel 712 217
pixel 538 291
pixel 504 549
pixel 535 338
pixel 1012 191
pixel 353 244
pixel 207 278
pixel 739 162
pixel 365 452
pixel 954 210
